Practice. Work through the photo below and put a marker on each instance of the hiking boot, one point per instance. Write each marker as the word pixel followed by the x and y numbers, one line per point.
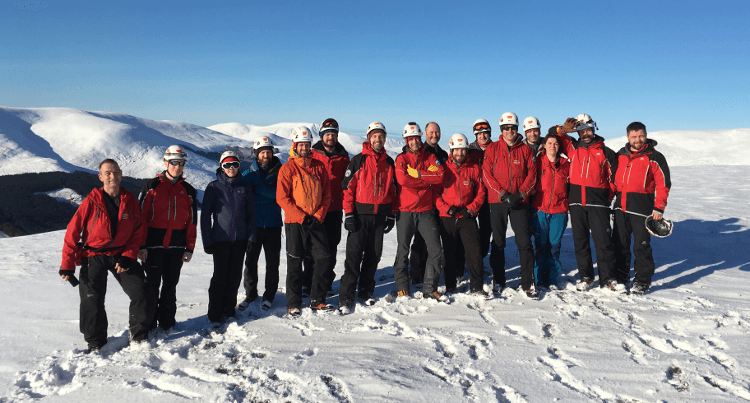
pixel 246 303
pixel 266 304
pixel 321 306
pixel 585 284
pixel 639 288
pixel 368 300
pixel 215 325
pixel 403 293
pixel 345 310
pixel 436 296
pixel 498 289
pixel 295 312
pixel 532 293
pixel 94 349
pixel 481 294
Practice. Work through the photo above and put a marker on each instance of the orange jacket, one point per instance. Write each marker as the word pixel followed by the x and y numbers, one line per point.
pixel 302 189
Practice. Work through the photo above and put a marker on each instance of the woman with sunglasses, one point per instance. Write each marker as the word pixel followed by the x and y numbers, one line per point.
pixel 170 210
pixel 227 224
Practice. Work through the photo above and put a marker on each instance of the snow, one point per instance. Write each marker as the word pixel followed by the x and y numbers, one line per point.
pixel 685 340
pixel 66 195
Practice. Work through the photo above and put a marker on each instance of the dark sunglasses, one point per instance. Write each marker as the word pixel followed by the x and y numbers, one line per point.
pixel 230 165
pixel 177 163
pixel 508 127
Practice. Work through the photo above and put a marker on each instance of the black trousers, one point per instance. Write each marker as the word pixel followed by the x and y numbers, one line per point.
pixel 93 288
pixel 625 226
pixel 407 225
pixel 594 220
pixel 462 232
pixel 363 251
pixel 500 213
pixel 418 257
pixel 269 240
pixel 302 239
pixel 222 293
pixel 332 224
pixel 485 229
pixel 163 268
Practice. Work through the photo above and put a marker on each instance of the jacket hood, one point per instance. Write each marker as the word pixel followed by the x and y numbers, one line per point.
pixel 337 150
pixel 367 150
pixel 475 146
pixel 647 147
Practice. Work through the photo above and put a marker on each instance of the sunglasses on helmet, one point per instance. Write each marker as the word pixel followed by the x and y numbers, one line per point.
pixel 230 165
pixel 177 163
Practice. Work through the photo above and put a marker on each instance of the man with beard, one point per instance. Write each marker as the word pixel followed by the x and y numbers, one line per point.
pixel 532 131
pixel 643 183
pixel 369 205
pixel 262 178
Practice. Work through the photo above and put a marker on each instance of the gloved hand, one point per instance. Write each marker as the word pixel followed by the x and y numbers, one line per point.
pixel 210 249
pixel 351 222
pixel 432 168
pixel 513 198
pixel 412 172
pixel 390 222
pixel 465 213
pixel 568 126
pixel 452 211
pixel 309 221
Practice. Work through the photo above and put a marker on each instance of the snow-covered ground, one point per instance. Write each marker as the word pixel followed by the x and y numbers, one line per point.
pixel 66 195
pixel 686 340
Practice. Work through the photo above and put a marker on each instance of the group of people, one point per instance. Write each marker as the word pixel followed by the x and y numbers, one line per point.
pixel 449 210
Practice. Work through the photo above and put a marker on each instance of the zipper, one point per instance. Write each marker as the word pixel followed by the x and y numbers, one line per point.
pixel 552 193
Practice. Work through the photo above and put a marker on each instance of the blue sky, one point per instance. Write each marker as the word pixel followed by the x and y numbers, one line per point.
pixel 670 64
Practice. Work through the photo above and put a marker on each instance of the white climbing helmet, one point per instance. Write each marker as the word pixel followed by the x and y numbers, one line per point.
pixel 175 153
pixel 530 123
pixel 481 126
pixel 458 140
pixel 261 142
pixel 509 118
pixel 228 154
pixel 584 122
pixel 302 135
pixel 375 126
pixel 412 129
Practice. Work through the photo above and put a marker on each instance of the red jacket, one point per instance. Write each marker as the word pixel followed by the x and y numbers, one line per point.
pixel 336 164
pixel 508 171
pixel 462 187
pixel 91 226
pixel 170 213
pixel 642 180
pixel 370 184
pixel 302 189
pixel 416 194
pixel 592 167
pixel 552 187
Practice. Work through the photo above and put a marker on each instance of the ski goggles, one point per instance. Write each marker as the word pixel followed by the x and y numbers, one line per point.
pixel 508 127
pixel 481 126
pixel 177 163
pixel 231 165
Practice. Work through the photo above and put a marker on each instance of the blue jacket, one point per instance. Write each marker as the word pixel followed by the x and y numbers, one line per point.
pixel 228 212
pixel 268 212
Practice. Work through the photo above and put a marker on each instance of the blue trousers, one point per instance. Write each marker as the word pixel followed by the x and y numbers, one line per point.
pixel 548 231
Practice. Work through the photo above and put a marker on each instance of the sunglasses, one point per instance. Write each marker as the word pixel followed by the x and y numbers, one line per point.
pixel 230 165
pixel 177 163
pixel 480 126
pixel 508 127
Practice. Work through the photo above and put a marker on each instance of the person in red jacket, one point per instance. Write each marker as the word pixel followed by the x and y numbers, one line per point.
pixel 509 174
pixel 643 184
pixel 458 202
pixel 170 213
pixel 417 171
pixel 592 167
pixel 483 132
pixel 105 234
pixel 550 215
pixel 304 193
pixel 370 207
pixel 334 156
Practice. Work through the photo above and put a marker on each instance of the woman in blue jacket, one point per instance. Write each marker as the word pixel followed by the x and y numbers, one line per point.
pixel 227 224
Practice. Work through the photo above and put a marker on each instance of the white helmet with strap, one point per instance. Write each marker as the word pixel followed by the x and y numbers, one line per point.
pixel 530 123
pixel 228 154
pixel 458 140
pixel 509 118
pixel 375 126
pixel 412 129
pixel 175 153
pixel 585 122
pixel 302 135
pixel 481 126
pixel 261 142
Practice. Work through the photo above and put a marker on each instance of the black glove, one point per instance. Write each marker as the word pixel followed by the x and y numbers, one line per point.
pixel 210 249
pixel 351 222
pixel 390 222
pixel 465 213
pixel 452 211
pixel 309 221
pixel 513 198
pixel 125 262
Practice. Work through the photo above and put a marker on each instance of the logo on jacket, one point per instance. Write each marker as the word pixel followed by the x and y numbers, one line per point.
pixel 467 183
pixel 437 161
pixel 125 216
pixel 517 162
pixel 348 173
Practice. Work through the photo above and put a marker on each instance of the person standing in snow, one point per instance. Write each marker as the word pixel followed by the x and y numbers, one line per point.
pixel 105 234
pixel 459 199
pixel 549 216
pixel 370 211
pixel 304 193
pixel 642 184
pixel 418 255
pixel 262 177
pixel 592 169
pixel 483 133
pixel 170 212
pixel 417 170
pixel 509 175
pixel 532 132
pixel 227 224
pixel 334 156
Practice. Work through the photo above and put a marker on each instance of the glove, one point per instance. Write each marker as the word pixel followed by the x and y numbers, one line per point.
pixel 465 213
pixel 452 211
pixel 309 221
pixel 412 172
pixel 210 249
pixel 125 262
pixel 432 168
pixel 390 222
pixel 568 126
pixel 513 199
pixel 351 222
